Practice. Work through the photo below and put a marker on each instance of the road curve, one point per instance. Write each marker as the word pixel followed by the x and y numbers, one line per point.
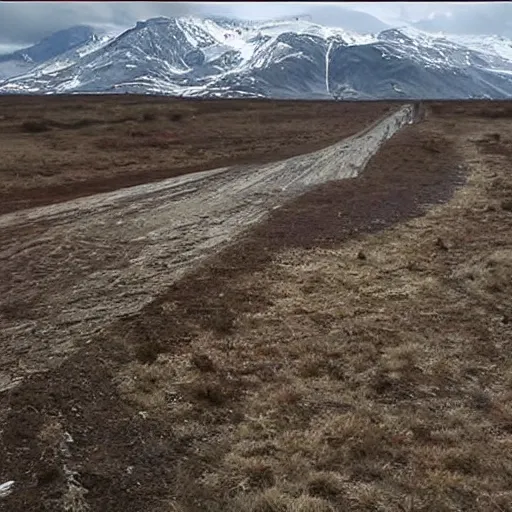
pixel 71 268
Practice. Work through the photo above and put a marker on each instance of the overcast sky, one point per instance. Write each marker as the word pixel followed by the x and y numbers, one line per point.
pixel 25 23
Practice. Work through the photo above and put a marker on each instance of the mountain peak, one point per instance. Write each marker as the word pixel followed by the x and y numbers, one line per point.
pixel 222 57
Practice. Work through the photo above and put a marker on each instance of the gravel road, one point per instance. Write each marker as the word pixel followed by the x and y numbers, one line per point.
pixel 69 269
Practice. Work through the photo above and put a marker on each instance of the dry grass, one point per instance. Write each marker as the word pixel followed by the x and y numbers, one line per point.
pixel 372 372
pixel 55 148
pixel 380 382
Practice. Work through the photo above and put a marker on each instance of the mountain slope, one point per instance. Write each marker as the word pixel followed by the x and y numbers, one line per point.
pixel 418 66
pixel 286 59
pixel 64 41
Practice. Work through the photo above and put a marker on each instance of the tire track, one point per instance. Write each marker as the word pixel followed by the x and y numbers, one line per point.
pixel 73 267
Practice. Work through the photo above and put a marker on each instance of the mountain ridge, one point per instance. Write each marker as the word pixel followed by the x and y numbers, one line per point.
pixel 295 59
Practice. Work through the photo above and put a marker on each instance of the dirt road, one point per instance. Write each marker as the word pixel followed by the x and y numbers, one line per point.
pixel 72 267
pixel 57 149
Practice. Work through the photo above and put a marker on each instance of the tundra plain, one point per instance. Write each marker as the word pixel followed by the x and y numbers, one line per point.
pixel 346 346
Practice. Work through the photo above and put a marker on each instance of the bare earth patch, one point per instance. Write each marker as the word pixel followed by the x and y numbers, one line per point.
pixel 351 353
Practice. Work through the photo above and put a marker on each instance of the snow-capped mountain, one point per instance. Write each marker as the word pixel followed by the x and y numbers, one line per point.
pixel 68 44
pixel 293 58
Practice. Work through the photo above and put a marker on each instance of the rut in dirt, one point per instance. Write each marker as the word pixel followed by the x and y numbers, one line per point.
pixel 74 267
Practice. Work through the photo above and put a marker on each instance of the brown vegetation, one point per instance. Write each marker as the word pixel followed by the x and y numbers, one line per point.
pixel 58 148
pixel 352 353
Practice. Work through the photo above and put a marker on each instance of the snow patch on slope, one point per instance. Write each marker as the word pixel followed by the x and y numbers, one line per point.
pixel 192 56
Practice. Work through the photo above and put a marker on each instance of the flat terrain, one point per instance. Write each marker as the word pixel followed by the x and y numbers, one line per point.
pixel 350 352
pixel 58 148
pixel 70 268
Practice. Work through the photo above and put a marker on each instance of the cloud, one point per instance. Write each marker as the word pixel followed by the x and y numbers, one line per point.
pixel 9 48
